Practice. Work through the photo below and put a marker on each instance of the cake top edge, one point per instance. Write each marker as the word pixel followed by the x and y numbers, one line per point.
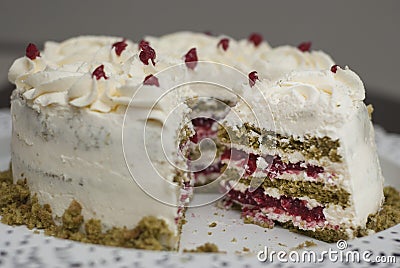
pixel 102 73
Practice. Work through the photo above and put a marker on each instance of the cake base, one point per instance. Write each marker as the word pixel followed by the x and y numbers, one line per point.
pixel 19 207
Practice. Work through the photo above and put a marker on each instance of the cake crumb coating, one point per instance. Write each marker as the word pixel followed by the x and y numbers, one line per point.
pixel 18 206
pixel 206 248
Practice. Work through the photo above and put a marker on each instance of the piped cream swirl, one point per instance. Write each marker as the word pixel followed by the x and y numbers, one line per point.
pixel 63 74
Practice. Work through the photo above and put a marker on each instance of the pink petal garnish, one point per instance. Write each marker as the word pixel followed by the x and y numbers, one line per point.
pixel 334 68
pixel 147 53
pixel 119 46
pixel 256 39
pixel 99 72
pixel 32 51
pixel 305 46
pixel 253 76
pixel 143 43
pixel 191 58
pixel 224 42
pixel 151 80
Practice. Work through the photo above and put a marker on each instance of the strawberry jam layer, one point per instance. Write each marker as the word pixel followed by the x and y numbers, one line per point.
pixel 258 200
pixel 275 164
pixel 203 128
pixel 207 128
pixel 211 170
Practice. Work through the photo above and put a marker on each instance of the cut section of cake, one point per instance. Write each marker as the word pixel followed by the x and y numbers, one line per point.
pixel 314 167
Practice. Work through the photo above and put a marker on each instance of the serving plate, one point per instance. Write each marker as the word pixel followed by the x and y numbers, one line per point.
pixel 243 244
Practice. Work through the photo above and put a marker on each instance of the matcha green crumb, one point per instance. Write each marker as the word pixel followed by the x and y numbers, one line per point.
pixel 322 193
pixel 251 220
pixel 206 248
pixel 72 218
pixel 19 207
pixel 212 225
pixel 370 110
pixel 310 147
pixel 305 244
pixel 388 216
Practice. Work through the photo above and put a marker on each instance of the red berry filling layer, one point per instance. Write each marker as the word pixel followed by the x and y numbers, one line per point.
pixel 203 129
pixel 284 205
pixel 276 165
pixel 210 170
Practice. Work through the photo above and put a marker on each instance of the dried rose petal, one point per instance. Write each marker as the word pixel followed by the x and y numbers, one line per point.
pixel 191 58
pixel 224 42
pixel 143 43
pixel 147 53
pixel 32 51
pixel 255 38
pixel 334 68
pixel 305 46
pixel 99 72
pixel 253 76
pixel 119 46
pixel 151 80
pixel 251 164
pixel 209 33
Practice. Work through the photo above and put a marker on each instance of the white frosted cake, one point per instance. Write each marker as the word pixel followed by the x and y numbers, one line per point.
pixel 92 122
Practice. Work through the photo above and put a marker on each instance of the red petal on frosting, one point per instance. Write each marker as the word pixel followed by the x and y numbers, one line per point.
pixel 251 164
pixel 120 46
pixel 224 42
pixel 99 72
pixel 334 68
pixel 32 51
pixel 151 80
pixel 191 58
pixel 253 76
pixel 143 43
pixel 147 53
pixel 305 46
pixel 255 38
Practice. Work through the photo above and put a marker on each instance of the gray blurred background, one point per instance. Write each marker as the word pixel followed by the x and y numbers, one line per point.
pixel 363 34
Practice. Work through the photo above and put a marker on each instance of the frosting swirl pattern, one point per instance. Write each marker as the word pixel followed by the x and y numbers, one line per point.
pixel 63 73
